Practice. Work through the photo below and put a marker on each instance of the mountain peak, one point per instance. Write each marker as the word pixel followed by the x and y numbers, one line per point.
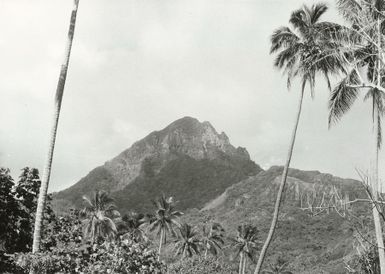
pixel 186 136
pixel 186 154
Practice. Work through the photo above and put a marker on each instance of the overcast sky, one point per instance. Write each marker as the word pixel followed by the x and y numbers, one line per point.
pixel 138 65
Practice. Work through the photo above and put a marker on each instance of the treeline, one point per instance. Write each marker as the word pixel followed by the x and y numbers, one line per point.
pixel 98 239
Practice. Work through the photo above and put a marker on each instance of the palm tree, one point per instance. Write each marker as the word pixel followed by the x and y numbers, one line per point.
pixel 362 51
pixel 188 242
pixel 99 213
pixel 133 223
pixel 245 245
pixel 57 107
pixel 212 238
pixel 164 220
pixel 303 51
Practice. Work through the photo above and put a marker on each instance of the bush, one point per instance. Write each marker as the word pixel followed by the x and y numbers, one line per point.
pixel 200 265
pixel 123 256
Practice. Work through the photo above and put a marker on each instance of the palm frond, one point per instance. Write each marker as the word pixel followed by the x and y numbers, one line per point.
pixel 317 11
pixel 298 20
pixel 343 97
pixel 349 9
pixel 283 37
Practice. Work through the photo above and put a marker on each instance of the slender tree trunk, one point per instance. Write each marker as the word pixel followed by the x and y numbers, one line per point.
pixel 280 190
pixel 206 252
pixel 58 100
pixel 240 263
pixel 244 264
pixel 376 214
pixel 160 243
pixel 375 184
pixel 184 252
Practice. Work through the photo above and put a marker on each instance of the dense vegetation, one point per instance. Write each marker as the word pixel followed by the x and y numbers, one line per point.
pixel 192 182
pixel 317 217
pixel 17 210
pixel 98 239
pixel 223 239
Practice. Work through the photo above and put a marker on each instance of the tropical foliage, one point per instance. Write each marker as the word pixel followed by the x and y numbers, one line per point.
pixel 188 242
pixel 17 210
pixel 361 50
pixel 245 245
pixel 123 256
pixel 200 264
pixel 97 240
pixel 164 221
pixel 99 213
pixel 212 238
pixel 133 226
pixel 303 50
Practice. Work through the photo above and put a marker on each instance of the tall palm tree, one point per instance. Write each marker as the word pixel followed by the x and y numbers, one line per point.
pixel 245 245
pixel 188 242
pixel 164 220
pixel 57 107
pixel 362 51
pixel 212 238
pixel 99 212
pixel 303 51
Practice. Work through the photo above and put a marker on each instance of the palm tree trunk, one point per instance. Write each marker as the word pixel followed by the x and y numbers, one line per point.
pixel 240 263
pixel 376 216
pixel 281 188
pixel 375 187
pixel 58 100
pixel 375 183
pixel 160 243
pixel 206 252
pixel 184 252
pixel 244 265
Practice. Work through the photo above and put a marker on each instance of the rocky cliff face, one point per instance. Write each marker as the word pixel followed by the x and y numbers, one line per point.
pixel 187 156
pixel 186 136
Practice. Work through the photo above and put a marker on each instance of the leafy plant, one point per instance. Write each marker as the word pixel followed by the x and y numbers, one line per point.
pixel 164 220
pixel 99 213
pixel 212 238
pixel 202 265
pixel 122 256
pixel 188 242
pixel 245 245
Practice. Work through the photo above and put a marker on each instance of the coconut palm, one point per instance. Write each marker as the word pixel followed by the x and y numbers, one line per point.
pixel 57 107
pixel 99 213
pixel 302 51
pixel 164 221
pixel 245 245
pixel 188 242
pixel 133 226
pixel 212 238
pixel 362 51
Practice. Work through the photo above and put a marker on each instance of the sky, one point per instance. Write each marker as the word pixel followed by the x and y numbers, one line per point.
pixel 138 65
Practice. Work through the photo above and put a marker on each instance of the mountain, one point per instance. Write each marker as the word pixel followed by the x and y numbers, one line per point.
pixel 215 182
pixel 310 241
pixel 188 160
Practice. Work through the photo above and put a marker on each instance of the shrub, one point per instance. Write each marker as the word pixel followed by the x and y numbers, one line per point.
pixel 123 256
pixel 198 264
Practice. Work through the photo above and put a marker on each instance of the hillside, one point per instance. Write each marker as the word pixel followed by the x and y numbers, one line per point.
pixel 311 243
pixel 188 160
pixel 214 181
